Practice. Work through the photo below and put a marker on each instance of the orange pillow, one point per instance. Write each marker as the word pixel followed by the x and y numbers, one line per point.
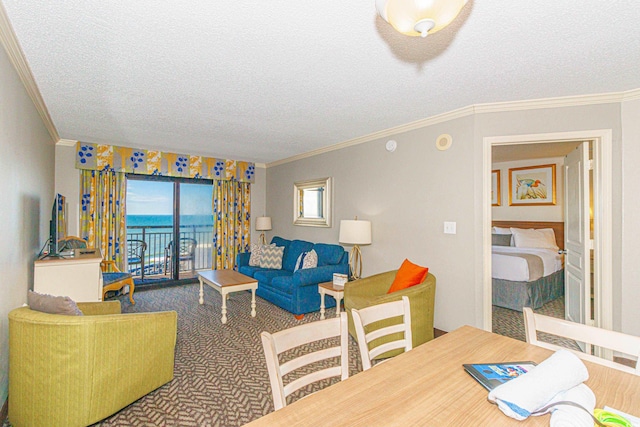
pixel 408 275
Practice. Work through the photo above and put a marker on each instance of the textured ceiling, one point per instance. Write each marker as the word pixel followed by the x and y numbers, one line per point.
pixel 263 81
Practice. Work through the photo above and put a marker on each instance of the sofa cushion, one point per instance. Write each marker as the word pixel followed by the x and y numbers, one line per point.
pixel 328 254
pixel 283 283
pixel 266 276
pixel 52 304
pixel 271 257
pixel 408 275
pixel 249 270
pixel 307 260
pixel 279 241
pixel 292 253
pixel 256 254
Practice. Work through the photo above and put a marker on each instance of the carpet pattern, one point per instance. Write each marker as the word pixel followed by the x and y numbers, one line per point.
pixel 511 323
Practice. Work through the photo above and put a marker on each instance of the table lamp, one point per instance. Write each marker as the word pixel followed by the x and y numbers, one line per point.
pixel 263 223
pixel 356 233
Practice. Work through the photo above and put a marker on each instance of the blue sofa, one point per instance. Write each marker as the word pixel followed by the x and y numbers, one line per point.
pixel 297 292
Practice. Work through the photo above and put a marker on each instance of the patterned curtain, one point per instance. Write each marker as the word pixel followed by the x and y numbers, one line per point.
pixel 231 221
pixel 102 220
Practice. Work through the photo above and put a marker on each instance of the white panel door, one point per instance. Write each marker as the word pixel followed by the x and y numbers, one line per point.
pixel 577 236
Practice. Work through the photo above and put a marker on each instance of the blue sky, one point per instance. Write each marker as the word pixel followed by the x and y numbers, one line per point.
pixel 156 198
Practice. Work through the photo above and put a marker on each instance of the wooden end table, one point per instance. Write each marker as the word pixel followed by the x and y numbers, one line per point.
pixel 226 282
pixel 327 288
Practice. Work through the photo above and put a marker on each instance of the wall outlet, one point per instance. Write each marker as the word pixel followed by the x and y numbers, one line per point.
pixel 449 227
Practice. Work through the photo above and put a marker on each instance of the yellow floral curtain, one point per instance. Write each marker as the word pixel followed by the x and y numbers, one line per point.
pixel 231 221
pixel 102 216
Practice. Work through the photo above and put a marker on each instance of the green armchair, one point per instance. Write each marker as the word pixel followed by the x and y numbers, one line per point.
pixel 373 290
pixel 76 370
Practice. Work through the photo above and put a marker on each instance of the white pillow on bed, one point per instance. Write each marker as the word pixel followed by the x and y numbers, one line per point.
pixel 534 238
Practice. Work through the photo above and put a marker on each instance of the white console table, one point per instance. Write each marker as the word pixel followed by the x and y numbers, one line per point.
pixel 78 277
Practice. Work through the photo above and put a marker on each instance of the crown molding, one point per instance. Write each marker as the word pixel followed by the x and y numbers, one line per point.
pixel 493 107
pixel 66 142
pixel 16 56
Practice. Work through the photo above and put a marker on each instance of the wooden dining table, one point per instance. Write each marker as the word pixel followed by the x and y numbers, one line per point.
pixel 428 386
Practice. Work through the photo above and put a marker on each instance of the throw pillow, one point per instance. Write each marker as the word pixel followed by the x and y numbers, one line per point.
pixel 52 304
pixel 501 239
pixel 256 254
pixel 272 257
pixel 408 275
pixel 307 260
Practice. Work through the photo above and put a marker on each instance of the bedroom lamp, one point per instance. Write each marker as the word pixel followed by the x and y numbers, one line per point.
pixel 419 17
pixel 356 233
pixel 263 223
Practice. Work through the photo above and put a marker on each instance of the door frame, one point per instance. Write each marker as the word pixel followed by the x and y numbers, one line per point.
pixel 602 140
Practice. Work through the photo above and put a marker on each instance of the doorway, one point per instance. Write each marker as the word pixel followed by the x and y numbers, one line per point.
pixel 602 269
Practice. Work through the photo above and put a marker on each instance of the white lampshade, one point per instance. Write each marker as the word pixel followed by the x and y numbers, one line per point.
pixel 263 223
pixel 419 17
pixel 355 232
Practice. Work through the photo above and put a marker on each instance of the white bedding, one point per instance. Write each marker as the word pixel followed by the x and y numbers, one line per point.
pixel 516 269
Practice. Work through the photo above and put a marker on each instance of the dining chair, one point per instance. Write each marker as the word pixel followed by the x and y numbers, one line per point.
pixel 378 341
pixel 612 340
pixel 113 279
pixel 301 336
pixel 136 250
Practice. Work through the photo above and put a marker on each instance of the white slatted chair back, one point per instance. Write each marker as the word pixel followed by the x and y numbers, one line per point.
pixel 623 343
pixel 366 316
pixel 280 342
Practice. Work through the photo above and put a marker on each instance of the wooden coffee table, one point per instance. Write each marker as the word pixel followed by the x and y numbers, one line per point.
pixel 226 282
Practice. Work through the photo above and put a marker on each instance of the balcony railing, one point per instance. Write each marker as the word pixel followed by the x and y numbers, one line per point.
pixel 158 237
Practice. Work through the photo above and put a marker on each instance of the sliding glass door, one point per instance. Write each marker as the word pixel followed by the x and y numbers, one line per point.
pixel 171 218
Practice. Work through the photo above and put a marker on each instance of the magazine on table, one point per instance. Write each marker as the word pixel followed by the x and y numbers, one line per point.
pixel 491 375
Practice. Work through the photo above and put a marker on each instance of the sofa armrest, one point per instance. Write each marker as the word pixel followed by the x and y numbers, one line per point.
pixel 99 308
pixel 378 284
pixel 313 276
pixel 243 259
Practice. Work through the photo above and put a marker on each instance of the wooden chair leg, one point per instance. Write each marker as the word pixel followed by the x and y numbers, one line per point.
pixel 132 287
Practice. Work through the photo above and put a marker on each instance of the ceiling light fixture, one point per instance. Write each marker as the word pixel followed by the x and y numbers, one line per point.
pixel 419 17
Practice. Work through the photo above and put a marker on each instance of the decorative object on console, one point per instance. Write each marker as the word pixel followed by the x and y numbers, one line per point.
pixel 263 223
pixel 532 185
pixel 339 280
pixel 419 18
pixel 355 232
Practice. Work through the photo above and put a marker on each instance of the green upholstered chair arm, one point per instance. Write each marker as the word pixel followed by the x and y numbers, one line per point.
pixel 378 284
pixel 77 370
pixel 99 308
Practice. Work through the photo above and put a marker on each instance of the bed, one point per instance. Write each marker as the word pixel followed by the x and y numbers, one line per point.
pixel 527 270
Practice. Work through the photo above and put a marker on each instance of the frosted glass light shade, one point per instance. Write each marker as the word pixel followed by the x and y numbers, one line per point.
pixel 263 223
pixel 419 17
pixel 355 232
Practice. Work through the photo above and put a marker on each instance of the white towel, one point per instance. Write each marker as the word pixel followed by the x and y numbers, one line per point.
pixel 521 396
pixel 570 416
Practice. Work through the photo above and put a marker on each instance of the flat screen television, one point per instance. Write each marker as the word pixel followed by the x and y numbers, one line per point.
pixel 57 225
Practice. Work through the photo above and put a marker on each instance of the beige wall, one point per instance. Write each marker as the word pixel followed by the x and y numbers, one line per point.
pixel 26 178
pixel 408 195
pixel 505 212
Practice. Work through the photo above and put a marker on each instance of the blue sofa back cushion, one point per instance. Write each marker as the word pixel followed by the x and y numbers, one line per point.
pixel 328 254
pixel 279 241
pixel 292 253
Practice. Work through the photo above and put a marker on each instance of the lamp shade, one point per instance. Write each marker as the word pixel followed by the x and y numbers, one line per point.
pixel 355 232
pixel 419 17
pixel 263 223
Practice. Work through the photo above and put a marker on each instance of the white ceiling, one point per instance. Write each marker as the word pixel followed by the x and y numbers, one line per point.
pixel 263 81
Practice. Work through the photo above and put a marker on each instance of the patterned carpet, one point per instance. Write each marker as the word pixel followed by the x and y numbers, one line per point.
pixel 220 373
pixel 511 323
